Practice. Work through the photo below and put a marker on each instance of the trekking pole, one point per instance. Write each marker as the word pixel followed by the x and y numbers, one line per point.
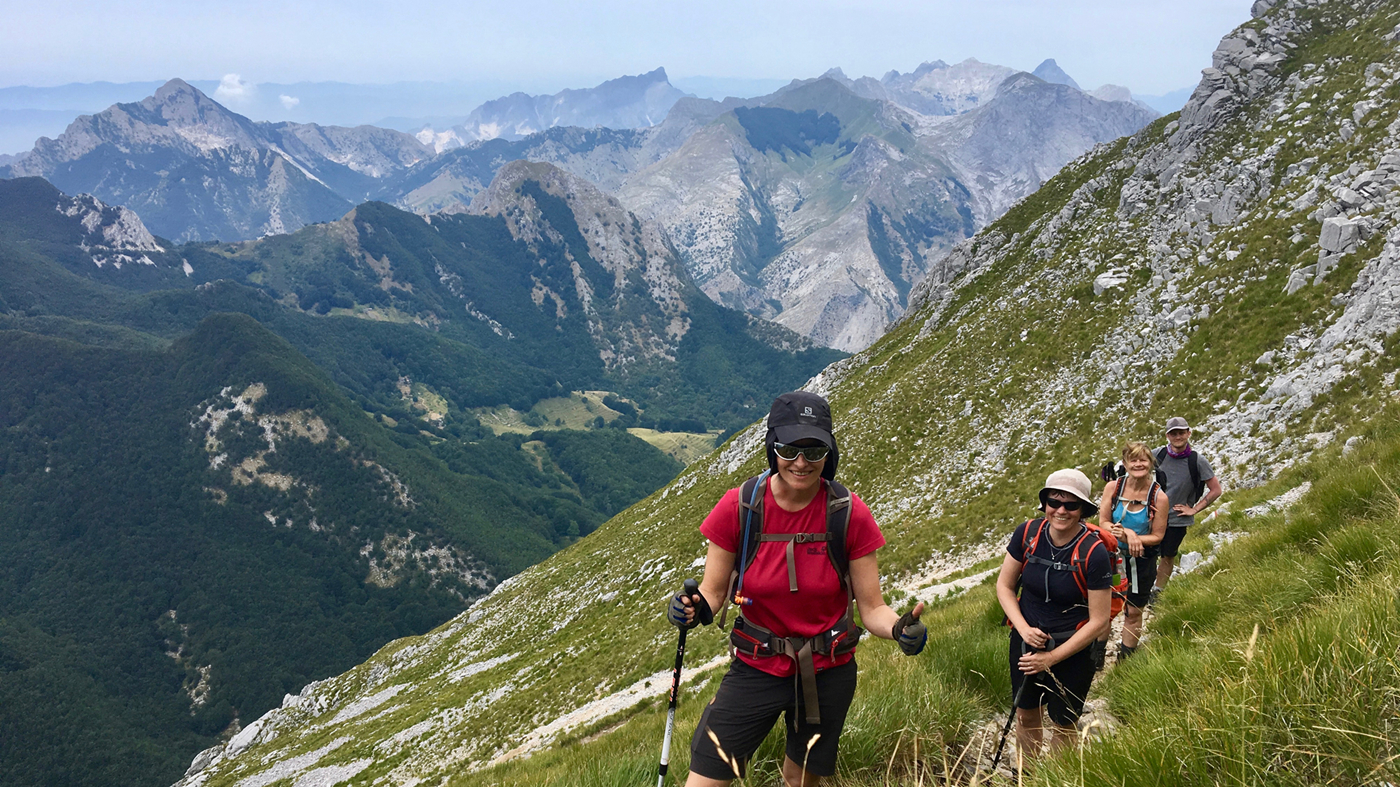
pixel 691 589
pixel 1006 730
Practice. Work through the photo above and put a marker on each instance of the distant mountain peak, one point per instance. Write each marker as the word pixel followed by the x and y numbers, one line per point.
pixel 635 101
pixel 1051 72
pixel 176 85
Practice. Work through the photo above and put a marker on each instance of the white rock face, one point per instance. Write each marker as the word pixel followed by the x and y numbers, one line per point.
pixel 109 228
pixel 831 247
pixel 940 89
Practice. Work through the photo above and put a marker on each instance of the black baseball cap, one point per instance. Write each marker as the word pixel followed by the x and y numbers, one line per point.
pixel 800 415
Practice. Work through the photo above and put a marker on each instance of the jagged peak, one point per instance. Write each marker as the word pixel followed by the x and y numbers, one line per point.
pixel 1051 72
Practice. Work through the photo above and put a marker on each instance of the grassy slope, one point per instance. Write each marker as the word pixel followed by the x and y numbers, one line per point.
pixel 949 424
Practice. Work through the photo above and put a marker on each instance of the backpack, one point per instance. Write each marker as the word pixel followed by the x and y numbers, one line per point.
pixel 1131 579
pixel 1151 497
pixel 1078 560
pixel 1198 487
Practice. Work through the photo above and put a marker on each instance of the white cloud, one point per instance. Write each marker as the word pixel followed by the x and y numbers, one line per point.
pixel 288 102
pixel 233 88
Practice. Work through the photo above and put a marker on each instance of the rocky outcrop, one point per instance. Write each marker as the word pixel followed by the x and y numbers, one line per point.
pixel 624 276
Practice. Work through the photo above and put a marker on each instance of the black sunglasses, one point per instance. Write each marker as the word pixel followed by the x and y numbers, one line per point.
pixel 1068 505
pixel 812 453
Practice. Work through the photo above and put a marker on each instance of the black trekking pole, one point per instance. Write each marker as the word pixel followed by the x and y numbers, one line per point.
pixel 1016 700
pixel 691 589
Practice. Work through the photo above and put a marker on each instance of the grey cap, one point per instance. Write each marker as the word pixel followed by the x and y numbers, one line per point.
pixel 1176 422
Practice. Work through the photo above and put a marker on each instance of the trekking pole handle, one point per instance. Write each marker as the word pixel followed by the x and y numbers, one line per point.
pixel 703 612
pixel 690 588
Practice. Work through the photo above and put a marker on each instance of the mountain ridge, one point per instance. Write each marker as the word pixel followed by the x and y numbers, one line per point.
pixel 265 177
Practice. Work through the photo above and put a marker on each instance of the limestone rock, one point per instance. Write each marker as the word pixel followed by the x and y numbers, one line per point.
pixel 1339 235
pixel 1296 281
pixel 1109 279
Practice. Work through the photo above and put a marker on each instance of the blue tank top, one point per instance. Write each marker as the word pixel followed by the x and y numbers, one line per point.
pixel 1137 521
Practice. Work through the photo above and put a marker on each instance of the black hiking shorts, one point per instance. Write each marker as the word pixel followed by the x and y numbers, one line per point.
pixel 1061 690
pixel 749 702
pixel 1171 542
pixel 1141 573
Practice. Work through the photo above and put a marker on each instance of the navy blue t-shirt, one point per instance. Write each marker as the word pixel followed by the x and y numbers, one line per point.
pixel 1050 599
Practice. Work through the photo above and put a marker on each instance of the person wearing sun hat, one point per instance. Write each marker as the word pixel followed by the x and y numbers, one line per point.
pixel 1190 484
pixel 1054 588
pixel 794 642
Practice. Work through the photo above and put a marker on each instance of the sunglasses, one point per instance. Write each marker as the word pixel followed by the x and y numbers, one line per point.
pixel 1068 505
pixel 812 453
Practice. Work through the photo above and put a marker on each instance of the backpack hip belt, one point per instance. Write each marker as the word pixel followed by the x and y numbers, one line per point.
pixel 758 642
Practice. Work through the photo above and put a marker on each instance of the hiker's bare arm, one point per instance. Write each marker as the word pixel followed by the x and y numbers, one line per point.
pixel 719 564
pixel 1213 491
pixel 1106 515
pixel 1006 594
pixel 877 616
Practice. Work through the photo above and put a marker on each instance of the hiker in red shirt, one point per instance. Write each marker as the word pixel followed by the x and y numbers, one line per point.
pixel 807 560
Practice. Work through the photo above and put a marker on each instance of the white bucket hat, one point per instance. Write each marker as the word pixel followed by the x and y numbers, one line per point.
pixel 1070 481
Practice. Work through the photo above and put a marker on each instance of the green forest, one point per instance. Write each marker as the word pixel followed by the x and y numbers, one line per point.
pixel 216 488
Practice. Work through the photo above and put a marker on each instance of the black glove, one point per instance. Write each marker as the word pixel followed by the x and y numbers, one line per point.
pixel 910 633
pixel 1097 654
pixel 675 610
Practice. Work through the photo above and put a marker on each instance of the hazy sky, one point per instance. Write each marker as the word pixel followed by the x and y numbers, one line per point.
pixel 1150 46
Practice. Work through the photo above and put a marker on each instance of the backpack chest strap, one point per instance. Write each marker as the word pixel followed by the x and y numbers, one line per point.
pixel 1051 564
pixel 792 539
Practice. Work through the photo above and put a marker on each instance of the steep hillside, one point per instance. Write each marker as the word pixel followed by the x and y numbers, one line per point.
pixel 196 171
pixel 1237 265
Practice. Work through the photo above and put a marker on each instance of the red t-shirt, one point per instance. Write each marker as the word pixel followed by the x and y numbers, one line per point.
pixel 820 601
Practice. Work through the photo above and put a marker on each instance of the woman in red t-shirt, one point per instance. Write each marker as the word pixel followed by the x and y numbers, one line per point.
pixel 794 641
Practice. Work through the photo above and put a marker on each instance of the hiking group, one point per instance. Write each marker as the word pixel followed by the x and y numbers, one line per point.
pixel 795 551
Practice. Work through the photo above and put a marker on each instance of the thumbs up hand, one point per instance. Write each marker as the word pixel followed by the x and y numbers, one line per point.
pixel 909 632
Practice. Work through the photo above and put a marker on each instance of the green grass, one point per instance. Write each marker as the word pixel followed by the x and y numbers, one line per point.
pixel 1310 696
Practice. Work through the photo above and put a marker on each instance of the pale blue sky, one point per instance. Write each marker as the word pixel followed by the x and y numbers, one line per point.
pixel 1150 46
